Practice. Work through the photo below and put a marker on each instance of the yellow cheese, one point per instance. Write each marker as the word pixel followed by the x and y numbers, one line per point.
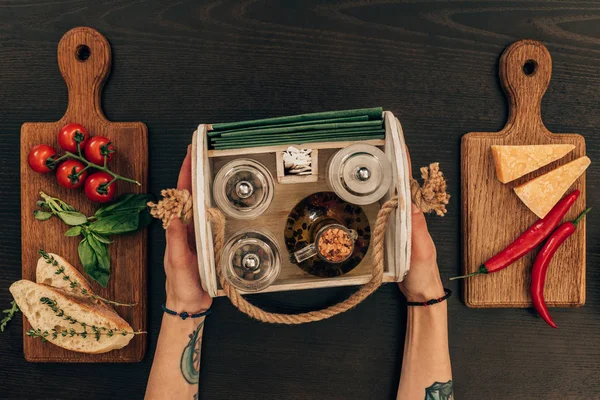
pixel 542 193
pixel 512 162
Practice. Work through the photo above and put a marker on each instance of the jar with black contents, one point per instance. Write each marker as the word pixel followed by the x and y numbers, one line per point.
pixel 251 260
pixel 243 188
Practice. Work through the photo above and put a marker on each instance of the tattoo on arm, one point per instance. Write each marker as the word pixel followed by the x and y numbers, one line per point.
pixel 190 358
pixel 440 391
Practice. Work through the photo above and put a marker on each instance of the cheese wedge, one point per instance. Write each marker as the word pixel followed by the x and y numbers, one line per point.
pixel 542 193
pixel 513 162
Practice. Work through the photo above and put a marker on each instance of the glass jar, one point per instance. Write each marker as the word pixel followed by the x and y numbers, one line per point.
pixel 251 260
pixel 360 173
pixel 334 243
pixel 243 188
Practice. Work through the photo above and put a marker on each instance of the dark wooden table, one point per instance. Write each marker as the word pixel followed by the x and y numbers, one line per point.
pixel 177 64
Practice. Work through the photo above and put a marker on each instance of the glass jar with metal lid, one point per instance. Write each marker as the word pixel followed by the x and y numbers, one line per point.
pixel 243 188
pixel 251 260
pixel 360 173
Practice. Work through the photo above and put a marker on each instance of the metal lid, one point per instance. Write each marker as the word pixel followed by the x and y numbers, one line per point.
pixel 251 260
pixel 360 173
pixel 243 188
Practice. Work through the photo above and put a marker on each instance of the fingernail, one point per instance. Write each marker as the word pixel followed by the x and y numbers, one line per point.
pixel 415 209
pixel 188 149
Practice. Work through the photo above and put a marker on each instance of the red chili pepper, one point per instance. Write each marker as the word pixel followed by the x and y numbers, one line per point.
pixel 542 261
pixel 533 236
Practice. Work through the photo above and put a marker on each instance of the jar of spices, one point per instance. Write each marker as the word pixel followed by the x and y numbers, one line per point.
pixel 334 243
pixel 360 173
pixel 243 188
pixel 251 260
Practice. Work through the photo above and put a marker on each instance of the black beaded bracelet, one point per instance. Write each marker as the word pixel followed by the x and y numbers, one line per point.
pixel 185 315
pixel 432 301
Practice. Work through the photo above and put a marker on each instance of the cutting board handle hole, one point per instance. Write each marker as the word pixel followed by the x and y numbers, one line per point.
pixel 83 53
pixel 529 67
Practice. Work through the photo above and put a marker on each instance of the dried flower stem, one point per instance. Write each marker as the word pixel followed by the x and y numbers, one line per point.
pixel 75 285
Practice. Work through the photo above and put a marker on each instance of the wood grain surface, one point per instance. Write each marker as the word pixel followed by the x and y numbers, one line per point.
pixel 433 64
pixel 84 79
pixel 493 216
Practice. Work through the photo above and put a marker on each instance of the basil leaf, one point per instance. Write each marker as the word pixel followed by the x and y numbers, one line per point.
pixel 115 224
pixel 125 204
pixel 41 204
pixel 88 258
pixel 74 231
pixel 101 238
pixel 42 215
pixel 110 207
pixel 103 266
pixel 72 218
pixel 145 219
pixel 66 206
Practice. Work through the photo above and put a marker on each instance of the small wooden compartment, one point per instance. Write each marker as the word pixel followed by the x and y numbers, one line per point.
pixel 287 193
pixel 283 177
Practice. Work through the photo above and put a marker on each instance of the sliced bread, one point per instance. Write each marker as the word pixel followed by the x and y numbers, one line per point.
pixel 46 273
pixel 28 296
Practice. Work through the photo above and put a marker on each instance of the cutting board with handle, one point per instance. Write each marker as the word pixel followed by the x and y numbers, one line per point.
pixel 84 58
pixel 492 214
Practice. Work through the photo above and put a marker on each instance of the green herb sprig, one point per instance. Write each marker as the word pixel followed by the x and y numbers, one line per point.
pixel 75 285
pixel 128 213
pixel 10 314
pixel 96 332
pixel 54 333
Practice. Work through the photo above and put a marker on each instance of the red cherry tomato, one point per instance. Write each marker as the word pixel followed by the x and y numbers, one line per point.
pixel 96 188
pixel 41 158
pixel 97 147
pixel 67 174
pixel 70 135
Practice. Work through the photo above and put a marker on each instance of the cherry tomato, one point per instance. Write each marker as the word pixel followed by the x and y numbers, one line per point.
pixel 42 158
pixel 97 147
pixel 70 135
pixel 67 174
pixel 96 188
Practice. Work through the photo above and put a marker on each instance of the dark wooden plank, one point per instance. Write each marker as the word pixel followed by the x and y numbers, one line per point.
pixel 434 64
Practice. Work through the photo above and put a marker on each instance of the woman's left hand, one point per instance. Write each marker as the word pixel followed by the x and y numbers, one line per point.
pixel 184 289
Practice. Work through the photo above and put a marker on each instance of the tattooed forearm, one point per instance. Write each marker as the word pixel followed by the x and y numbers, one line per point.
pixel 190 358
pixel 440 391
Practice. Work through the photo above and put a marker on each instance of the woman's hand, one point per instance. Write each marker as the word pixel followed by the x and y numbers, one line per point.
pixel 184 290
pixel 423 281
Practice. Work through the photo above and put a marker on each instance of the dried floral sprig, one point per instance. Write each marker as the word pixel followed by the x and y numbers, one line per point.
pixel 75 285
pixel 96 331
pixel 10 313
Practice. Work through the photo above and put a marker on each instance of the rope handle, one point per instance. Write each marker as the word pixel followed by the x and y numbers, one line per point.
pixel 432 197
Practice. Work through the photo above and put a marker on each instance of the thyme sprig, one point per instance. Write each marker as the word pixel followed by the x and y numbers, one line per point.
pixel 96 332
pixel 10 313
pixel 55 333
pixel 75 285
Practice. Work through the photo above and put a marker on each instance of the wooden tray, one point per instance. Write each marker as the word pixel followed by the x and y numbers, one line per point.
pixel 127 283
pixel 492 214
pixel 206 163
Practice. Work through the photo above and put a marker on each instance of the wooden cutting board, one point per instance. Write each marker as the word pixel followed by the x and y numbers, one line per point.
pixel 492 214
pixel 84 79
